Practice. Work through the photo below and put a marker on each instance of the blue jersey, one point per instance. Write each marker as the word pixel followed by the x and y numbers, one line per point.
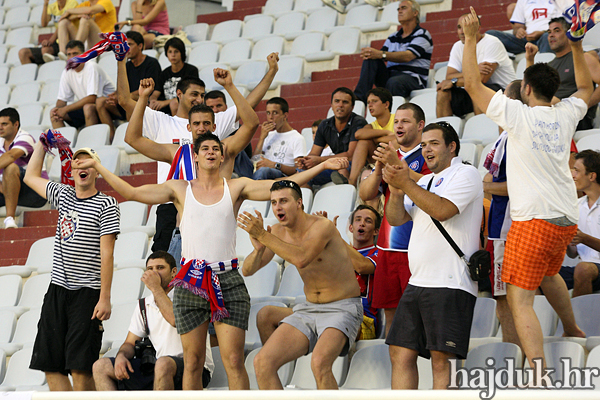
pixel 499 221
pixel 366 282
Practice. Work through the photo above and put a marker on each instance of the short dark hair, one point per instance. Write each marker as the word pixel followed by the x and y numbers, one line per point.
pixel 178 44
pixel 347 91
pixel 448 133
pixel 75 43
pixel 206 137
pixel 513 90
pixel 185 84
pixel 287 184
pixel 283 104
pixel 215 94
pixel 136 37
pixel 417 111
pixel 591 161
pixel 202 108
pixel 367 207
pixel 383 94
pixel 164 256
pixel 12 114
pixel 561 20
pixel 543 79
pixel 317 123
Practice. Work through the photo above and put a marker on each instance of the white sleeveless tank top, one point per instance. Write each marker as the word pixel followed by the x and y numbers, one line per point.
pixel 208 231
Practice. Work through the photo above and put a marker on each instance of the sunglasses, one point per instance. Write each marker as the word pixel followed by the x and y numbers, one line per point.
pixel 277 185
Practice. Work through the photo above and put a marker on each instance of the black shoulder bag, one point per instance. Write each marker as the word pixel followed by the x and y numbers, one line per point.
pixel 480 262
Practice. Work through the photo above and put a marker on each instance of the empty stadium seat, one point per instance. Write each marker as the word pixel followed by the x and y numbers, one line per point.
pixel 130 250
pixel 257 26
pixel 266 46
pixel 94 136
pixel 126 285
pixel 197 32
pixel 119 139
pixel 49 93
pixel 8 322
pixel 39 258
pixel 51 70
pixel 277 7
pixel 321 20
pixel 539 58
pixel 25 332
pixel 307 196
pixel 484 318
pixel 117 326
pixel 335 199
pixel 427 102
pixel 219 376
pixel 17 17
pixel 390 14
pixel 235 52
pixel 581 134
pixel 308 6
pixel 18 38
pixel 480 129
pixel 593 361
pixel 207 75
pixel 32 295
pixel 226 31
pixel 22 74
pixel 342 226
pixel 250 74
pixel 583 309
pixel 10 290
pixel 342 41
pixel 133 214
pixel 303 377
pixel 203 54
pixel 469 152
pixel 590 142
pixel 291 70
pixel 3 68
pixel 252 336
pixel 307 43
pixel 555 351
pixel 251 205
pixel 289 23
pixel 30 114
pixel 26 93
pixel 360 17
pixel 264 282
pixel 370 368
pixel 111 158
pixel 285 372
pixel 454 121
pixel 500 352
pixel 4 94
pixel 291 286
pixel 69 133
pixel 19 376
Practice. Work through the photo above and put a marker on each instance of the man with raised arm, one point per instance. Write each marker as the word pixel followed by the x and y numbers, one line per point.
pixel 208 205
pixel 78 300
pixel 543 199
pixel 163 128
pixel 328 322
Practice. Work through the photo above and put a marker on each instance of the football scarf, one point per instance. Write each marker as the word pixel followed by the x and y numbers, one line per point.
pixel 54 140
pixel 115 41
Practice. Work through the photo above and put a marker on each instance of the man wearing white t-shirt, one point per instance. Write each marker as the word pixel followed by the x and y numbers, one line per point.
pixel 279 144
pixel 494 65
pixel 80 86
pixel 124 372
pixel 530 20
pixel 163 128
pixel 435 312
pixel 543 199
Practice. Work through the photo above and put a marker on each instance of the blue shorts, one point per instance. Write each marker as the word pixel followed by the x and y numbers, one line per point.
pixel 568 272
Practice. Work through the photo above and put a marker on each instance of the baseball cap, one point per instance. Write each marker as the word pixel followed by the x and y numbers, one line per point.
pixel 91 152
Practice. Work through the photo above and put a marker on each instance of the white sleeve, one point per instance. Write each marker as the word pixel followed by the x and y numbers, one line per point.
pixel 298 146
pixel 463 188
pixel 455 60
pixel 226 122
pixel 518 14
pixel 493 52
pixel 500 107
pixel 93 81
pixel 136 326
pixel 151 123
pixel 65 93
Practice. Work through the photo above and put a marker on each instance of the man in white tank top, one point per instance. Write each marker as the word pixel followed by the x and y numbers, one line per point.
pixel 228 304
pixel 328 322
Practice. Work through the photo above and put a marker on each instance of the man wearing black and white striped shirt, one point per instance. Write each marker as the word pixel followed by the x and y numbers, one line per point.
pixel 406 52
pixel 78 300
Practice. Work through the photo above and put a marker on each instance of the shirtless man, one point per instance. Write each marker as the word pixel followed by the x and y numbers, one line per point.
pixel 202 201
pixel 330 319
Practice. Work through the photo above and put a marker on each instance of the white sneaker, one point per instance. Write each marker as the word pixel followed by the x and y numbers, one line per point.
pixel 62 56
pixel 48 57
pixel 375 3
pixel 338 5
pixel 9 222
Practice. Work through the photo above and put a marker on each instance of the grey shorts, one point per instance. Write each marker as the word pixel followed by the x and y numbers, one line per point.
pixel 192 310
pixel 312 319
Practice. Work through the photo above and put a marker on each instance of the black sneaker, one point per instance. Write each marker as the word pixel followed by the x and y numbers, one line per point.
pixel 338 178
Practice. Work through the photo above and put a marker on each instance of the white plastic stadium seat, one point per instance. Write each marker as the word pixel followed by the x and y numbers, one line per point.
pixel 469 152
pixel 289 23
pixel 219 376
pixel 277 7
pixel 291 70
pixel 10 290
pixel 303 377
pixel 226 31
pixel 307 194
pixel 390 14
pixel 583 309
pixel 427 102
pixel 266 46
pixel 4 68
pixel 307 43
pixel 555 351
pixel 133 214
pixel 22 74
pixel 207 76
pixel 342 41
pixel 335 199
pixel 308 6
pixel 581 134
pixel 291 287
pixel 26 93
pixel 203 54
pixel 126 285
pixel 94 136
pixel 370 369
pixel 25 332
pixel 539 58
pixel 264 282
pixel 116 327
pixel 119 139
pixel 30 114
pixel 321 20
pixel 49 92
pixel 250 74
pixel 593 361
pixel 111 158
pixel 8 322
pixel 39 258
pixel 19 376
pixel 484 318
pixel 252 205
pixel 19 37
pixel 197 32
pixel 362 16
pixel 17 17
pixel 257 26
pixel 456 122
pixel 285 372
pixel 32 295
pixel 500 352
pixel 130 250
pixel 590 142
pixel 480 130
pixel 235 51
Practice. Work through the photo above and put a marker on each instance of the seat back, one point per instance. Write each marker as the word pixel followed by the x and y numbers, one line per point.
pixel 335 199
pixel 26 329
pixel 203 54
pixel 321 20
pixel 126 285
pixel 34 290
pixel 26 93
pixel 18 372
pixel 307 43
pixel 22 74
pixel 10 290
pixel 370 369
pixel 361 15
pixel 226 30
pixel 291 282
pixel 484 318
pixel 197 32
pixel 482 128
pixel 344 41
pixel 303 377
pixel 94 136
pixel 278 7
pixel 285 372
pixel 266 46
pixel 8 322
pixel 260 25
pixel 236 50
pixel 290 22
pixel 131 246
pixel 250 73
pixel 584 310
pixel 264 282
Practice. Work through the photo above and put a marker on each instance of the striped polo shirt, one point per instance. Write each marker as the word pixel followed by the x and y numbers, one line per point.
pixel 418 42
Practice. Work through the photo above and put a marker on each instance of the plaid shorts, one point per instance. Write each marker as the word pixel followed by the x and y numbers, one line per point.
pixel 192 310
pixel 534 249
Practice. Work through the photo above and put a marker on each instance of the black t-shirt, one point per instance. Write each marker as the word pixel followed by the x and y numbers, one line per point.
pixel 339 142
pixel 168 80
pixel 149 68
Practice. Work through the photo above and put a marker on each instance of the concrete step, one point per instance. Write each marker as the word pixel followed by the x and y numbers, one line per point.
pixel 215 18
pixel 7 262
pixel 26 233
pixel 40 218
pixel 337 74
pixel 350 61
pixel 143 168
pixel 329 86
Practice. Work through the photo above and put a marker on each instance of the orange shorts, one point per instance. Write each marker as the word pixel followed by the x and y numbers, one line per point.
pixel 534 249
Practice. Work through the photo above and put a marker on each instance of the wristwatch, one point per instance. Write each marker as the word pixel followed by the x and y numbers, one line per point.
pixel 277 165
pixel 454 80
pixel 384 55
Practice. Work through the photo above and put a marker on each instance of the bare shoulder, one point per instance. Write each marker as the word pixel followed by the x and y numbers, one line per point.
pixel 320 225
